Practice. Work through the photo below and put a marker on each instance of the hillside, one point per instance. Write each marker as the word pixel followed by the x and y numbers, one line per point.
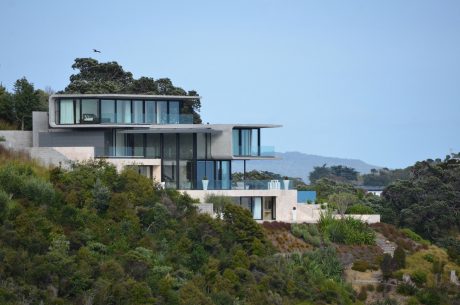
pixel 296 164
pixel 94 236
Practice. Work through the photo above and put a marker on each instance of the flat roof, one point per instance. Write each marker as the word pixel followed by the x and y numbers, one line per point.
pixel 126 96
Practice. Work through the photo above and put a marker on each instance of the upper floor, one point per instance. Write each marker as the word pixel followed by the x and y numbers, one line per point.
pixel 117 110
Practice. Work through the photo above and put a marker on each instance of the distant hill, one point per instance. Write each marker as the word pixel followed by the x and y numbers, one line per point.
pixel 296 164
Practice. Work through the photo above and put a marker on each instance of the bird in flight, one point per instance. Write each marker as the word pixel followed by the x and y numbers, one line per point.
pixel 96 51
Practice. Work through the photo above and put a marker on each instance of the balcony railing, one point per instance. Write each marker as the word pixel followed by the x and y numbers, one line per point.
pixel 247 185
pixel 142 119
pixel 125 152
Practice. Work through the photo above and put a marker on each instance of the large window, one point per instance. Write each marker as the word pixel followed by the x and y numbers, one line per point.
pixel 150 112
pixel 67 112
pixel 107 111
pixel 124 111
pixel 162 112
pixel 111 111
pixel 246 142
pixel 89 111
pixel 138 112
pixel 173 113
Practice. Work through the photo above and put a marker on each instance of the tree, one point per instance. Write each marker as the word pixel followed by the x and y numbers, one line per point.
pixel 399 258
pixel 25 100
pixel 6 106
pixel 110 77
pixel 319 172
pixel 387 268
pixel 342 201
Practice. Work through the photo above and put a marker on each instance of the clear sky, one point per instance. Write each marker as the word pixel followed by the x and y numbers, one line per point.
pixel 372 80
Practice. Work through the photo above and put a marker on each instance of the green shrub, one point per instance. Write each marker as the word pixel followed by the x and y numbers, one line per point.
pixel 399 258
pixel 37 190
pixel 370 287
pixel 406 289
pixel 429 257
pixel 348 231
pixel 415 237
pixel 412 301
pixel 419 277
pixel 307 232
pixel 360 209
pixel 4 200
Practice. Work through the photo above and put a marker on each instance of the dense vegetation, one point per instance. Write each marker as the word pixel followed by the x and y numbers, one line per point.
pixel 343 174
pixel 428 203
pixel 93 236
pixel 16 107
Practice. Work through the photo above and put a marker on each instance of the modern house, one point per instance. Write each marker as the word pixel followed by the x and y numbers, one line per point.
pixel 157 134
pixel 158 137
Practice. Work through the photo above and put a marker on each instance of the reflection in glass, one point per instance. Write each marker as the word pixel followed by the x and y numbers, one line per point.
pixel 150 112
pixel 152 147
pixel 162 112
pixel 236 142
pixel 173 112
pixel 89 111
pixel 169 146
pixel 138 145
pixel 107 111
pixel 66 112
pixel 138 109
pixel 124 111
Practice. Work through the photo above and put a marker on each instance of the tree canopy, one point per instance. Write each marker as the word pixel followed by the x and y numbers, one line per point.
pixel 16 108
pixel 110 77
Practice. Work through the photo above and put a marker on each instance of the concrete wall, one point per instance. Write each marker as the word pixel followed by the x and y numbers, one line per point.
pixel 221 143
pixel 39 124
pixel 16 139
pixel 88 138
pixel 205 208
pixel 285 199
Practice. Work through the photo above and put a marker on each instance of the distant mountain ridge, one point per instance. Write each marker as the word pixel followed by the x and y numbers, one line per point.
pixel 297 164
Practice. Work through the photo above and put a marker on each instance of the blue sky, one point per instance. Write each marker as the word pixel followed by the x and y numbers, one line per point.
pixel 372 80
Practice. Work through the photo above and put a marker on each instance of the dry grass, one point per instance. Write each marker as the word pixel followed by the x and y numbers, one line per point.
pixel 8 156
pixel 417 261
pixel 395 235
pixel 279 233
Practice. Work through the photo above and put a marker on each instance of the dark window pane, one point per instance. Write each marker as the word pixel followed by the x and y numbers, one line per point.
pixel 89 111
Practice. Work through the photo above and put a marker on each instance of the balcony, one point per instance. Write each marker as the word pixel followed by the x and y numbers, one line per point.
pixel 247 185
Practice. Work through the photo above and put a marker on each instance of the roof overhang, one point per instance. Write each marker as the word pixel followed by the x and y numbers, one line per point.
pixel 171 130
pixel 126 96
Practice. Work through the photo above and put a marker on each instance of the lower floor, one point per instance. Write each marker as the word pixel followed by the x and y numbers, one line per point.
pixel 264 205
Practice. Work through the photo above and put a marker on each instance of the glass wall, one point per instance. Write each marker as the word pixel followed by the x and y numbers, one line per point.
pixel 152 146
pixel 169 160
pixel 107 111
pixel 111 111
pixel 67 112
pixel 185 161
pixel 162 112
pixel 138 112
pixel 89 111
pixel 246 142
pixel 123 111
pixel 173 113
pixel 150 112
